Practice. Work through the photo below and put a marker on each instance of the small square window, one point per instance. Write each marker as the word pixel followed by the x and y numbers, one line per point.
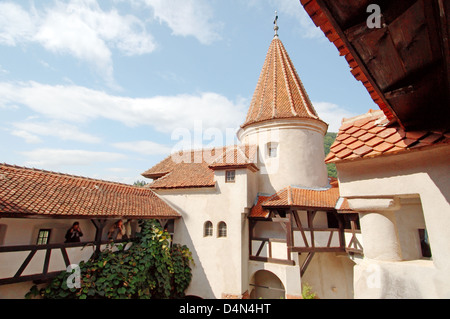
pixel 230 176
pixel 43 237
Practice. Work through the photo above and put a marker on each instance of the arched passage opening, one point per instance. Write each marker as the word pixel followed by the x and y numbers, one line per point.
pixel 266 285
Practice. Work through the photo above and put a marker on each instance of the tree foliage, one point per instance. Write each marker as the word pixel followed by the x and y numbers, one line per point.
pixel 327 142
pixel 150 268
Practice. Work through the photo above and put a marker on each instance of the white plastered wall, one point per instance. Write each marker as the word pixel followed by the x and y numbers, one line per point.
pixel 387 183
pixel 300 153
pixel 220 263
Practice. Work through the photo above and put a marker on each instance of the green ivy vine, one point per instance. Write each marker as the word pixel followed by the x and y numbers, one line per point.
pixel 150 268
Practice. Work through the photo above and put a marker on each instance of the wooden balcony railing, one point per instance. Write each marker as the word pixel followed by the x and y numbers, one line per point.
pixel 42 262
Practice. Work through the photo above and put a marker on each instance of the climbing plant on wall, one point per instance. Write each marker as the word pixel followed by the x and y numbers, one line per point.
pixel 150 268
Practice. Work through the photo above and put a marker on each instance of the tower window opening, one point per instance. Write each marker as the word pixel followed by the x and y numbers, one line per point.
pixel 272 149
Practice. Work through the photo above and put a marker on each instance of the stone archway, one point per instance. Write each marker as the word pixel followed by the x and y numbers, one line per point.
pixel 266 285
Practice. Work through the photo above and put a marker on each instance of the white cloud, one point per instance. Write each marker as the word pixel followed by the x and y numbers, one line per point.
pixel 27 136
pixel 79 28
pixel 16 25
pixel 164 113
pixel 187 18
pixel 294 9
pixel 332 114
pixel 144 147
pixel 60 130
pixel 45 157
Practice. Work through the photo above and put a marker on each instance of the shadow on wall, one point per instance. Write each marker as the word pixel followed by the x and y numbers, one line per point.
pixel 199 286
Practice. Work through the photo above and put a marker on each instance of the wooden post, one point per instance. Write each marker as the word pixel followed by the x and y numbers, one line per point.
pixel 341 232
pixel 251 225
pixel 289 236
pixel 99 226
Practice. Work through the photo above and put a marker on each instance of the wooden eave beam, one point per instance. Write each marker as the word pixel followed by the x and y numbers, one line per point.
pixel 343 36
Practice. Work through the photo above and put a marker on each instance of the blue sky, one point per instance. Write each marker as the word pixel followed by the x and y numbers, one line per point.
pixel 106 89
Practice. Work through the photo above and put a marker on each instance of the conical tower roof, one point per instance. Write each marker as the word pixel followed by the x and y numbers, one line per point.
pixel 279 93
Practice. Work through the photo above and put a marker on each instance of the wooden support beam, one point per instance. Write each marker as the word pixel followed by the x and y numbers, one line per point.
pixel 65 256
pixel 289 236
pixel 306 263
pixel 48 254
pixel 311 215
pixel 99 226
pixel 300 226
pixel 25 263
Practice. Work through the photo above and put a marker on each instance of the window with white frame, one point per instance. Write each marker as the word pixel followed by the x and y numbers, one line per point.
pixel 230 176
pixel 43 236
pixel 208 229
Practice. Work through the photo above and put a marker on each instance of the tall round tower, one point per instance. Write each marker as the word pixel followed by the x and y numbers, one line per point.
pixel 282 122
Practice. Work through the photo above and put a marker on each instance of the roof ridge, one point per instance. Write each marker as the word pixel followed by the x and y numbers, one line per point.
pixel 64 174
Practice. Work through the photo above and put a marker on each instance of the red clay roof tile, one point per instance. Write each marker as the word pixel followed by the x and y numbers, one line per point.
pixel 349 140
pixel 195 168
pixel 376 129
pixel 342 136
pixel 367 136
pixel 279 93
pixel 383 147
pixel 355 145
pixel 375 139
pixel 386 132
pixel 319 198
pixel 26 191
pixel 361 151
pixel 336 147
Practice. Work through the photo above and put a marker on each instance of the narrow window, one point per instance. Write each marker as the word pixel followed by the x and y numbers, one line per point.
pixel 222 229
pixel 272 149
pixel 2 233
pixel 43 237
pixel 208 231
pixel 424 243
pixel 230 176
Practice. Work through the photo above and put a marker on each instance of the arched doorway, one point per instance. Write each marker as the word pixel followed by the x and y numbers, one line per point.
pixel 266 285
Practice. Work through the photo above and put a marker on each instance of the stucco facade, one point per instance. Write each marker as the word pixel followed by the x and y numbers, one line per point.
pixel 396 196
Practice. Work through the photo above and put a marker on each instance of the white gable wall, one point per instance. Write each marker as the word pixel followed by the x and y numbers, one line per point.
pixel 220 263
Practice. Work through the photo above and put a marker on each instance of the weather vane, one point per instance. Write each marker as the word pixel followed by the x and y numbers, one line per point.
pixel 275 28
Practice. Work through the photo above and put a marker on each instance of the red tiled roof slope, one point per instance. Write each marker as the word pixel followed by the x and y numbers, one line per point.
pixel 370 135
pixel 195 168
pixel 26 191
pixel 257 210
pixel 314 198
pixel 279 93
pixel 304 197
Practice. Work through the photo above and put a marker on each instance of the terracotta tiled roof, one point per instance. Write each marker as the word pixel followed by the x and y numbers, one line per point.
pixel 325 198
pixel 257 210
pixel 321 21
pixel 314 198
pixel 195 168
pixel 26 191
pixel 370 135
pixel 237 156
pixel 279 93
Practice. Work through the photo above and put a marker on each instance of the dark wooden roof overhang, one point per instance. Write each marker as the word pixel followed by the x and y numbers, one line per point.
pixel 404 64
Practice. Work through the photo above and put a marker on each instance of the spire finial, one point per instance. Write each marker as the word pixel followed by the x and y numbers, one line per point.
pixel 275 28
